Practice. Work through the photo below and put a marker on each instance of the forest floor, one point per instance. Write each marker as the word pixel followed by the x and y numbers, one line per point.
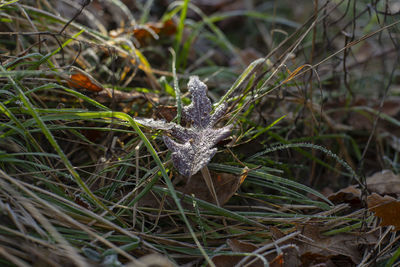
pixel 199 133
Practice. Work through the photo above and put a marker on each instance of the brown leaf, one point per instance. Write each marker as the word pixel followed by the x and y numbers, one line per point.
pixel 312 259
pixel 226 260
pixel 278 261
pixel 231 260
pixel 288 258
pixel 276 232
pixel 387 208
pixel 350 195
pixel 78 199
pixel 82 80
pixel 163 112
pixel 241 246
pixel 329 246
pixel 384 183
pixel 166 28
pixel 225 185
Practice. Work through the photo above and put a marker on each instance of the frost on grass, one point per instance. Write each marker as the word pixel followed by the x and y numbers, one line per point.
pixel 193 147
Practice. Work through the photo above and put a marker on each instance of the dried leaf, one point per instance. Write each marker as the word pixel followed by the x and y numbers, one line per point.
pixel 144 36
pixel 192 148
pixel 78 199
pixel 384 183
pixel 82 80
pixel 313 259
pixel 276 232
pixel 387 208
pixel 226 260
pixel 329 246
pixel 350 195
pixel 231 260
pixel 288 257
pixel 225 184
pixel 278 261
pixel 167 113
pixel 244 174
pixel 293 74
pixel 241 246
pixel 168 28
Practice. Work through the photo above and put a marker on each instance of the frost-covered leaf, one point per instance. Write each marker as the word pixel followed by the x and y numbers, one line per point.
pixel 193 147
pixel 198 112
pixel 189 157
pixel 159 124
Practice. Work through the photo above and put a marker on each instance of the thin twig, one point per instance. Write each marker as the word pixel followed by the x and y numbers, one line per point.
pixel 84 4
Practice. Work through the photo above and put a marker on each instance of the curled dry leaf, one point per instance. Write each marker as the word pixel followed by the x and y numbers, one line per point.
pixel 82 80
pixel 387 208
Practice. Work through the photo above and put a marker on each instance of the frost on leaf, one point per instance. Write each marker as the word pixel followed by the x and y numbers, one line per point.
pixel 192 148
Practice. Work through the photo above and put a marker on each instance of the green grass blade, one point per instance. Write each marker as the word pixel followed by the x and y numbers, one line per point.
pixel 245 74
pixel 181 25
pixel 55 145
